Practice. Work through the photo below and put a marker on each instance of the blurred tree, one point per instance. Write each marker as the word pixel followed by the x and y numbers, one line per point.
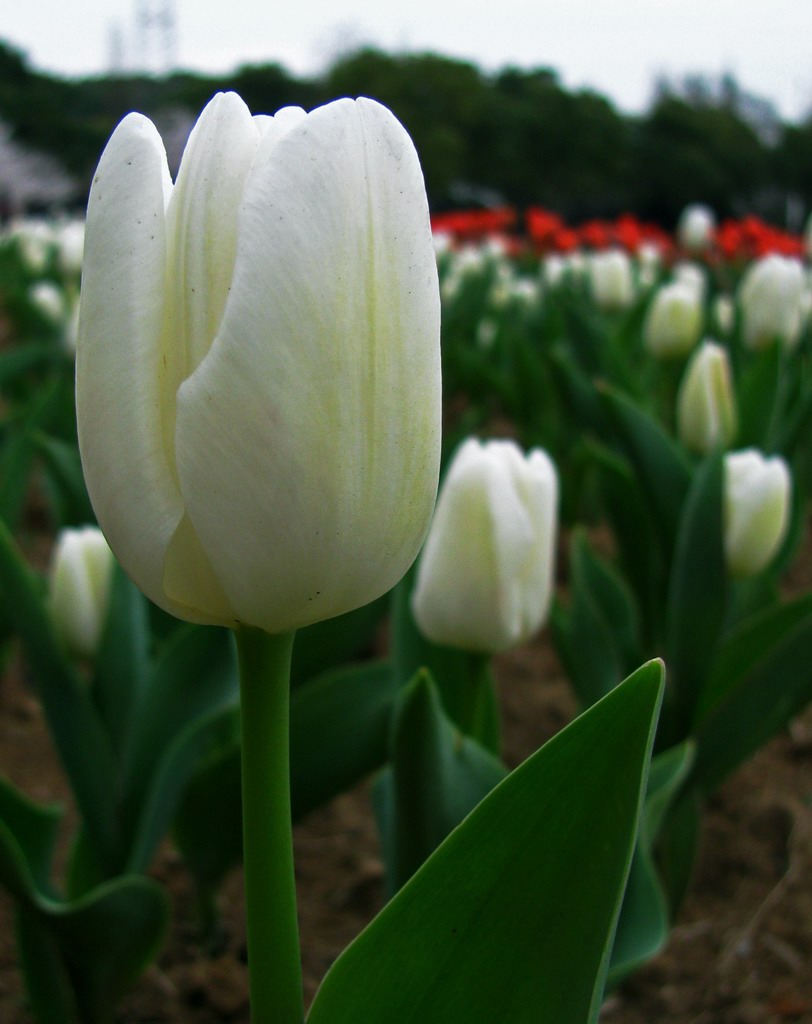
pixel 517 136
pixel 697 151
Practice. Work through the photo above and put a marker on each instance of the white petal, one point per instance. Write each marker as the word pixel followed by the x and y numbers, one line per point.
pixel 274 127
pixel 118 370
pixel 202 227
pixel 308 439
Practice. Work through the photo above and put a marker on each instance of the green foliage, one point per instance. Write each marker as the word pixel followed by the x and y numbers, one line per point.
pixel 512 918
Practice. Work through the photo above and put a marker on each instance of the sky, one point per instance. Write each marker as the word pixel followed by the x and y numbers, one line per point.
pixel 617 47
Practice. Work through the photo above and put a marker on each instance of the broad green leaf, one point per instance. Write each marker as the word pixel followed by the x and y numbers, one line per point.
pixel 327 645
pixel 678 844
pixel 108 938
pixel 173 768
pixel 641 554
pixel 659 462
pixel 752 701
pixel 122 662
pixel 28 834
pixel 182 709
pixel 583 398
pixel 77 956
pixel 746 646
pixel 645 921
pixel 512 918
pixel 340 725
pixel 194 677
pixel 18 362
pixel 16 458
pixel 63 466
pixel 598 635
pixel 79 735
pixel 613 597
pixel 339 730
pixel 48 984
pixel 435 779
pixel 463 678
pixel 697 599
pixel 213 794
pixel 756 391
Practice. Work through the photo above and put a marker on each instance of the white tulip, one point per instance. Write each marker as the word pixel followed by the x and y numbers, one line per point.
pixel 706 410
pixel 485 577
pixel 258 366
pixel 71 244
pixel 553 270
pixel 81 573
pixel 724 313
pixel 756 510
pixel 693 274
pixel 673 321
pixel 771 301
pixel 49 299
pixel 611 279
pixel 695 227
pixel 36 241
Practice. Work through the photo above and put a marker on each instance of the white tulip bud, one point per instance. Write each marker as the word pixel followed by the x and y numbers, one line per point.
pixel 756 510
pixel 771 301
pixel 258 363
pixel 693 274
pixel 485 577
pixel 706 408
pixel 695 227
pixel 673 321
pixel 553 269
pixel 611 279
pixel 724 313
pixel 71 244
pixel 35 239
pixel 81 573
pixel 49 299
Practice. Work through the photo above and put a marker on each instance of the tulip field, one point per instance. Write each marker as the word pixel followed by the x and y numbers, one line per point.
pixel 403 617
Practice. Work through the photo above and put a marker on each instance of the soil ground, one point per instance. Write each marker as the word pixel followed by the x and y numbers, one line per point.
pixel 741 952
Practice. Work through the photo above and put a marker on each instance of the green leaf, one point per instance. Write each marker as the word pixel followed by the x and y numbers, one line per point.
pixel 746 646
pixel 107 939
pixel 641 554
pixel 512 918
pixel 660 463
pixel 78 733
pixel 212 794
pixel 677 846
pixel 761 679
pixel 77 956
pixel 121 666
pixel 340 724
pixel 598 636
pixel 756 391
pixel 645 922
pixel 339 730
pixel 16 458
pixel 48 985
pixel 18 362
pixel 697 599
pixel 64 469
pixel 327 645
pixel 28 834
pixel 463 678
pixel 436 778
pixel 183 709
pixel 172 771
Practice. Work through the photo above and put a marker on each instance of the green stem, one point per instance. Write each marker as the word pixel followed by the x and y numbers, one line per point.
pixel 270 888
